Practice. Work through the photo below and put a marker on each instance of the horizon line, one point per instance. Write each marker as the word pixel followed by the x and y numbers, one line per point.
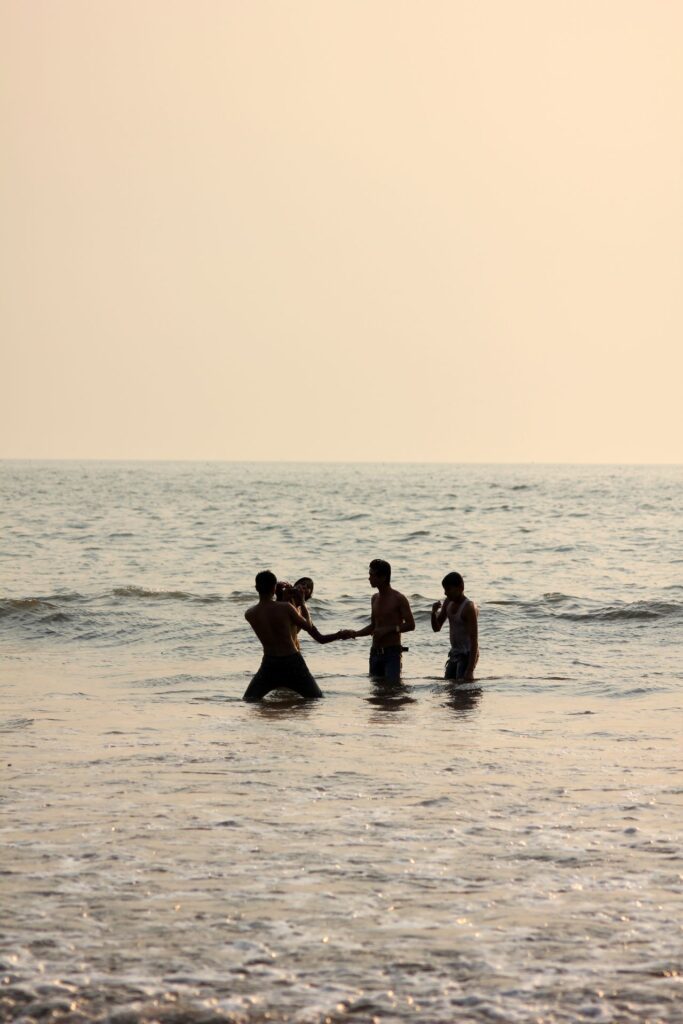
pixel 332 462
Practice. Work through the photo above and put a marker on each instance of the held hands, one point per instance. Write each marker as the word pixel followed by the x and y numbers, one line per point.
pixel 346 634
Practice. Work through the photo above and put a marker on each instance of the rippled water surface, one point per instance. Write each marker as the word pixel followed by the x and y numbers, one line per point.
pixel 505 851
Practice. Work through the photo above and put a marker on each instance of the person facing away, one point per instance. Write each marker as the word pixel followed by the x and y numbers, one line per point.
pixel 390 616
pixel 276 624
pixel 461 613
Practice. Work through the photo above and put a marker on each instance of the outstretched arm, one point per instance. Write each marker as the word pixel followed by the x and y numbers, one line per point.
pixel 365 631
pixel 351 634
pixel 326 638
pixel 307 625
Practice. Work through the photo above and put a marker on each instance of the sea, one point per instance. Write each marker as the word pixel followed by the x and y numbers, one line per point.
pixel 508 850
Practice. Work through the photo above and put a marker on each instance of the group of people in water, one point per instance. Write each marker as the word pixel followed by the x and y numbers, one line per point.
pixel 281 612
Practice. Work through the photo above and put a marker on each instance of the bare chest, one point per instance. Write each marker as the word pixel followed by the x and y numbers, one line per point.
pixel 386 609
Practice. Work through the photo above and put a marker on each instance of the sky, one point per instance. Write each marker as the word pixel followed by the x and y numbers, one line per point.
pixel 377 230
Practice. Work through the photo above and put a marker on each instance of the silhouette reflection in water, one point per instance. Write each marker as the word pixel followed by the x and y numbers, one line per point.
pixel 462 699
pixel 279 703
pixel 390 696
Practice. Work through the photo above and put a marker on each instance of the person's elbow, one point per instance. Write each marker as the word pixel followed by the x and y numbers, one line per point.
pixel 408 626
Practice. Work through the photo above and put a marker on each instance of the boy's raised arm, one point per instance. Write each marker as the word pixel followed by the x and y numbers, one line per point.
pixel 439 614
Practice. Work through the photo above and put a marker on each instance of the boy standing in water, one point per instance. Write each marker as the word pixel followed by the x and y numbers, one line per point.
pixel 276 624
pixel 464 628
pixel 390 617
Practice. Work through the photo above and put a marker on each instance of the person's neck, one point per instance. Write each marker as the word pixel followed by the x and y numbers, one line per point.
pixel 383 587
pixel 266 598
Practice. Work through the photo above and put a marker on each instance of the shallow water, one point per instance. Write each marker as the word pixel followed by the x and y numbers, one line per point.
pixel 509 850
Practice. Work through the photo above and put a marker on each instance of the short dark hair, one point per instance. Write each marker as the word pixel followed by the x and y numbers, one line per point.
pixel 265 581
pixel 381 568
pixel 453 579
pixel 305 581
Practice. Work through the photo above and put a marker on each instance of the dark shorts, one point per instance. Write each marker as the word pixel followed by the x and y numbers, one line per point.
pixel 456 666
pixel 288 672
pixel 385 663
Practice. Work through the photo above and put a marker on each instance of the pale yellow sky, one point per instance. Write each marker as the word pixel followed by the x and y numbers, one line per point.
pixel 380 230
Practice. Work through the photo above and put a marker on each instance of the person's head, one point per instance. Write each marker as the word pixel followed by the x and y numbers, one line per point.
pixel 380 572
pixel 266 582
pixel 305 584
pixel 453 585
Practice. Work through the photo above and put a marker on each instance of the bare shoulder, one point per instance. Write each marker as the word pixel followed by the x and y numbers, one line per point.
pixel 401 597
pixel 471 609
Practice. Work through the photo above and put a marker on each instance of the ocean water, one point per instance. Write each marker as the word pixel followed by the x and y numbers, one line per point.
pixel 505 851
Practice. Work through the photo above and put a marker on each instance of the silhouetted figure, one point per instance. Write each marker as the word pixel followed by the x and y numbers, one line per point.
pixel 276 624
pixel 390 616
pixel 463 625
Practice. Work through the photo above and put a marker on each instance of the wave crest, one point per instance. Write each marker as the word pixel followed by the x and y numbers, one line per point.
pixel 159 595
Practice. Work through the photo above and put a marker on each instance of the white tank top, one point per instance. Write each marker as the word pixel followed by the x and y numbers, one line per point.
pixel 460 638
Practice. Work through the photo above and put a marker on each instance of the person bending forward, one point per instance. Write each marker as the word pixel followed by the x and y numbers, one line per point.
pixel 276 624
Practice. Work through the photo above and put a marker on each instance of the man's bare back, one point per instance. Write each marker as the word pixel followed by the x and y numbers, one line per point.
pixel 276 624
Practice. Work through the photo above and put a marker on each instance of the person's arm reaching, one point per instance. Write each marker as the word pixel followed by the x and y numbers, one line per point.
pixel 302 623
pixel 352 634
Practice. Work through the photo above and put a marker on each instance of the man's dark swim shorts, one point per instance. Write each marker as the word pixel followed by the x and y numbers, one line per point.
pixel 288 672
pixel 385 663
pixel 456 666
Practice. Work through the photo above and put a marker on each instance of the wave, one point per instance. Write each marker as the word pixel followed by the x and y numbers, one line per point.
pixel 48 608
pixel 19 605
pixel 582 611
pixel 159 595
pixel 12 724
pixel 638 610
pixel 145 593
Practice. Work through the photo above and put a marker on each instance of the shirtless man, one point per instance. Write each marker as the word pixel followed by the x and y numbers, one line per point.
pixel 276 624
pixel 464 628
pixel 390 616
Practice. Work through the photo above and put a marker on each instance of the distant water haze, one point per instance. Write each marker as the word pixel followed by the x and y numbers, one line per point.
pixel 370 231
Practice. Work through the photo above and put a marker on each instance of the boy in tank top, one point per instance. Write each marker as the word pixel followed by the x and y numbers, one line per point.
pixel 464 630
